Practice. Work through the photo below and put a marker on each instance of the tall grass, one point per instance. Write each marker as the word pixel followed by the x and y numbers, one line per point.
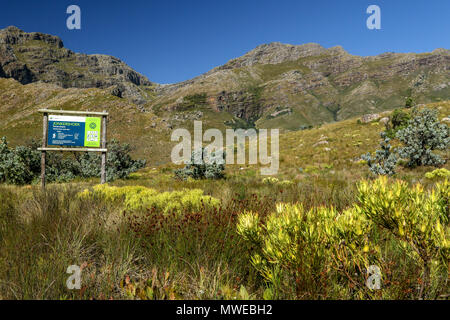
pixel 147 253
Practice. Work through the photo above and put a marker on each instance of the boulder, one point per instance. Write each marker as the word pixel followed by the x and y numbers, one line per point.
pixel 384 120
pixel 370 117
pixel 320 143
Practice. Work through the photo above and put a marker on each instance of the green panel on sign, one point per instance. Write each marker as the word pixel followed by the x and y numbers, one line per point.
pixel 92 132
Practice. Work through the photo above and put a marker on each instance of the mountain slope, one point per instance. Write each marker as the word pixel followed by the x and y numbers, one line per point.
pixel 149 134
pixel 287 86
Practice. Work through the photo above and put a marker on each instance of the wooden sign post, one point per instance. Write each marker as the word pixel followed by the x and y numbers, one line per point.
pixel 103 169
pixel 44 145
pixel 72 131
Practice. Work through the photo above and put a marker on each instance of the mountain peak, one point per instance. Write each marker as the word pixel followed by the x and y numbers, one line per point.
pixel 274 53
pixel 12 29
pixel 441 51
pixel 15 36
pixel 337 50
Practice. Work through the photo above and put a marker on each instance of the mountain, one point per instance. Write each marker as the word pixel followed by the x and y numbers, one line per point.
pixel 31 57
pixel 289 86
pixel 276 85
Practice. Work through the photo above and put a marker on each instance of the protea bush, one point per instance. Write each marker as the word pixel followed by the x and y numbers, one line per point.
pixel 417 218
pixel 438 173
pixel 322 250
pixel 306 247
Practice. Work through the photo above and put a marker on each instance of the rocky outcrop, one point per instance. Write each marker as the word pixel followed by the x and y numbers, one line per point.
pixel 243 104
pixel 384 120
pixel 11 67
pixel 14 36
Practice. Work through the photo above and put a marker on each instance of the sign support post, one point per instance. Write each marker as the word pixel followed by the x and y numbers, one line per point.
pixel 74 131
pixel 103 169
pixel 44 145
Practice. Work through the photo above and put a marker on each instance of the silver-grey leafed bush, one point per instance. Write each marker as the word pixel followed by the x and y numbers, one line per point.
pixel 203 165
pixel 385 159
pixel 423 134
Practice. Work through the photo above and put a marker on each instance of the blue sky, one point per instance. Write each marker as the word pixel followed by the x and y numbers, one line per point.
pixel 171 41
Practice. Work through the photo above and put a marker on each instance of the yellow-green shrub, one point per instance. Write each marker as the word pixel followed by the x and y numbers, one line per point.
pixel 270 180
pixel 438 173
pixel 276 181
pixel 411 214
pixel 138 197
pixel 286 183
pixel 419 219
pixel 301 245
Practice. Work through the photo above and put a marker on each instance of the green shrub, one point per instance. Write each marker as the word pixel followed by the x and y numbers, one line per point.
pixel 409 102
pixel 142 198
pixel 295 246
pixel 398 121
pixel 119 162
pixel 322 248
pixel 438 173
pixel 22 165
pixel 399 118
pixel 18 166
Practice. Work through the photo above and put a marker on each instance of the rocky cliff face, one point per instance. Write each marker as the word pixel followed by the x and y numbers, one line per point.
pixel 31 57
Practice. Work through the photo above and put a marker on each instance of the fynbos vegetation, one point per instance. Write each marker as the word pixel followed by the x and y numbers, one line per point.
pixel 203 165
pixel 421 135
pixel 316 230
pixel 319 251
pixel 385 159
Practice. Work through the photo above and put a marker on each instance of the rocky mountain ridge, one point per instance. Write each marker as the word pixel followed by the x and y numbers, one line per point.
pixel 274 85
